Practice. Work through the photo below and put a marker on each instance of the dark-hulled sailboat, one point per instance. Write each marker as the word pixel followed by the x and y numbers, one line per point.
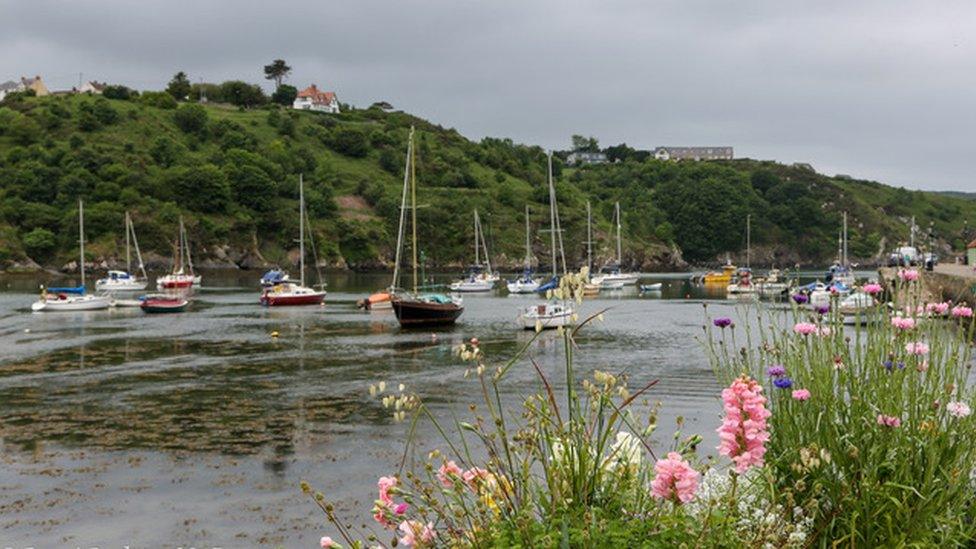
pixel 415 310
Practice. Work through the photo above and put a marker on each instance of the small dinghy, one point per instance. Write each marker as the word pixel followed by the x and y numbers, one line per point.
pixel 651 287
pixel 163 303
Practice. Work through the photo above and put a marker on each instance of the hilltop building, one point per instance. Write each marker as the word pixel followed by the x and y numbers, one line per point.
pixel 693 153
pixel 314 99
pixel 93 87
pixel 25 84
pixel 586 158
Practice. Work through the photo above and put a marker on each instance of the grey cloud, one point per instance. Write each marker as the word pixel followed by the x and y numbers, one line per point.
pixel 875 89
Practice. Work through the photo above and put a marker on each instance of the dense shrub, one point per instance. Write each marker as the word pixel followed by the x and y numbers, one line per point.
pixel 191 118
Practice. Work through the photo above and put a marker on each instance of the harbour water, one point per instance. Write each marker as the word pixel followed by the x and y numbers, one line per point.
pixel 118 428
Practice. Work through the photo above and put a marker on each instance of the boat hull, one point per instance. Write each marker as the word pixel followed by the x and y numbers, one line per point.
pixel 73 303
pixel 288 300
pixel 414 313
pixel 523 287
pixel 161 306
pixel 543 317
pixel 473 286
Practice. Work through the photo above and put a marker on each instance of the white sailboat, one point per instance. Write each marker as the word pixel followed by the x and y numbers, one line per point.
pixel 611 276
pixel 289 293
pixel 73 299
pixel 550 314
pixel 125 281
pixel 525 284
pixel 180 278
pixel 480 277
pixel 840 272
pixel 743 283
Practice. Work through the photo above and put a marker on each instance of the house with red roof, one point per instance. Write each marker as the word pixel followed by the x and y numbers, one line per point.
pixel 314 99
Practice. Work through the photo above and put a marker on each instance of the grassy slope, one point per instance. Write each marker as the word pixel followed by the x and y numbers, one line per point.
pixel 365 235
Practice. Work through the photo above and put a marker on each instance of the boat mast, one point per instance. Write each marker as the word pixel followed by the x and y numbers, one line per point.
pixel 413 207
pixel 301 229
pixel 186 248
pixel 128 256
pixel 477 242
pixel 552 216
pixel 619 255
pixel 845 239
pixel 484 244
pixel 528 245
pixel 748 240
pixel 403 213
pixel 81 239
pixel 135 242
pixel 589 237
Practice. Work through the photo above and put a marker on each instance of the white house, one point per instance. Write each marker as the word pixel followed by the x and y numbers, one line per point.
pixel 314 99
pixel 93 87
pixel 10 87
pixel 693 153
pixel 586 158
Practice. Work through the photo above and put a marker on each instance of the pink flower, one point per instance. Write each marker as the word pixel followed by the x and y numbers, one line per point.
pixel 916 348
pixel 908 275
pixel 448 473
pixel 327 543
pixel 380 512
pixel 958 409
pixel 744 433
pixel 889 421
pixel 903 322
pixel 937 308
pixel 400 508
pixel 674 480
pixel 475 476
pixel 824 331
pixel 385 484
pixel 805 328
pixel 801 394
pixel 962 311
pixel 872 288
pixel 412 530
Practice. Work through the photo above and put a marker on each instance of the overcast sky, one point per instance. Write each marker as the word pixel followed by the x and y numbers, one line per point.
pixel 876 89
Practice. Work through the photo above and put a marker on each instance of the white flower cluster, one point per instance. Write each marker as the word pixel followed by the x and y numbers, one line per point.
pixel 401 402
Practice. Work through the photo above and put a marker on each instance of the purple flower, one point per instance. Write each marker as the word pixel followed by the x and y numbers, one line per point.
pixel 722 322
pixel 822 309
pixel 800 299
pixel 890 366
pixel 783 382
pixel 776 370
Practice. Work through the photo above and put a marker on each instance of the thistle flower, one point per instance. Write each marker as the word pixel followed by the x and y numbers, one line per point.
pixel 962 311
pixel 744 433
pixel 872 288
pixel 805 328
pixel 917 348
pixel 722 322
pixel 903 322
pixel 888 421
pixel 800 299
pixel 958 409
pixel 908 275
pixel 776 370
pixel 674 480
pixel 783 382
pixel 801 394
pixel 822 309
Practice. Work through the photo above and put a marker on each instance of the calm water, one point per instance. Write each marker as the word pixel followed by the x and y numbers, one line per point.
pixel 120 428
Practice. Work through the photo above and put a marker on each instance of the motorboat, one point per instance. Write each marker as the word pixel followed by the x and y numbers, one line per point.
pixel 546 316
pixel 724 276
pixel 859 308
pixel 772 285
pixel 651 287
pixel 743 283
pixel 74 298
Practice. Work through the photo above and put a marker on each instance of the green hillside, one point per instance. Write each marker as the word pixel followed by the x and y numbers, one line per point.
pixel 233 174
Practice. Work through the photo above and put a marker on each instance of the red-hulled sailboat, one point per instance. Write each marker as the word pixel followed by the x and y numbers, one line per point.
pixel 180 279
pixel 289 293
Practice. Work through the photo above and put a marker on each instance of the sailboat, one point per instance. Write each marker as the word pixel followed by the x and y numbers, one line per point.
pixel 124 281
pixel 289 293
pixel 180 279
pixel 525 284
pixel 840 271
pixel 73 299
pixel 550 314
pixel 743 283
pixel 415 309
pixel 479 277
pixel 611 276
